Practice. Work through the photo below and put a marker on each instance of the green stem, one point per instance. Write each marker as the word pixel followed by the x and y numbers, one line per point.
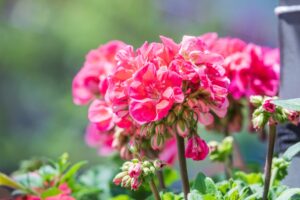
pixel 229 162
pixel 154 190
pixel 268 165
pixel 182 166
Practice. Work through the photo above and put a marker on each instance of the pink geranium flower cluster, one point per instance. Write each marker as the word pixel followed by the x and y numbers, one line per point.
pixel 151 93
pixel 252 70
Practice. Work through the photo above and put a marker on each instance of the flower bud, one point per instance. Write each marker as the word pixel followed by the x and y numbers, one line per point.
pixel 146 171
pixel 259 121
pixel 157 141
pixel 213 146
pixel 181 128
pixel 159 129
pixel 178 110
pixel 152 169
pixel 269 106
pixel 158 164
pixel 135 184
pixel 126 181
pixel 256 100
pixel 196 148
pixel 135 170
pixel 118 178
pixel 171 118
pixel 146 163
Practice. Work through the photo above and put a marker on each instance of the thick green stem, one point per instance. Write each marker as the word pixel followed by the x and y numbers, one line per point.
pixel 154 190
pixel 182 166
pixel 268 165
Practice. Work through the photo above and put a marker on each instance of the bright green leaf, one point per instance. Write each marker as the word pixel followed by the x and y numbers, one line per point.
pixel 72 171
pixel 8 182
pixel 50 192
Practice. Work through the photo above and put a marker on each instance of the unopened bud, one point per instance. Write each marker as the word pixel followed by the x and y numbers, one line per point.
pixel 152 169
pixel 178 110
pixel 171 118
pixel 181 128
pixel 259 121
pixel 157 141
pixel 256 100
pixel 158 164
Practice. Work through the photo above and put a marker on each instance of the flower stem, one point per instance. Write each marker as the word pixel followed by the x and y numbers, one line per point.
pixel 154 190
pixel 228 162
pixel 268 165
pixel 182 165
pixel 161 181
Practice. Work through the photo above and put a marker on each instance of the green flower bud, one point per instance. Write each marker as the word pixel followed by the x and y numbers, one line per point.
pixel 256 100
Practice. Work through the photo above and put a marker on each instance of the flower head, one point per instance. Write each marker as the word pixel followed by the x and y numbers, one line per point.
pixel 196 148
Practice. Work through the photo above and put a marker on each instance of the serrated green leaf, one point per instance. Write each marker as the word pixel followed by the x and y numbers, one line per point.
pixel 199 183
pixel 287 194
pixel 50 192
pixel 292 151
pixel 72 171
pixel 290 104
pixel 8 182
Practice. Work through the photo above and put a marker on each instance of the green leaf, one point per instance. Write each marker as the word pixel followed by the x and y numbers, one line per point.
pixel 211 188
pixel 121 197
pixel 50 192
pixel 195 195
pixel 199 183
pixel 292 151
pixel 287 194
pixel 72 171
pixel 8 182
pixel 232 194
pixel 251 178
pixel 290 104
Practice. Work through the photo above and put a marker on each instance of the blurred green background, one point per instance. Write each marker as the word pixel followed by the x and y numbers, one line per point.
pixel 43 44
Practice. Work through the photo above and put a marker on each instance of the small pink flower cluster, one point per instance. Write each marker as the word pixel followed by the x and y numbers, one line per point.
pixel 135 172
pixel 268 112
pixel 153 92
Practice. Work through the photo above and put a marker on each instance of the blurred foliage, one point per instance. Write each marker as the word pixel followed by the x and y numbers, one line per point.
pixel 43 43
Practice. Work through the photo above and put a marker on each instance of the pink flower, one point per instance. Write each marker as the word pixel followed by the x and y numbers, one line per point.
pixel 65 195
pixel 101 114
pixel 196 148
pixel 195 50
pixel 153 92
pixel 264 79
pixel 269 106
pixel 90 80
pixel 135 170
pixel 60 197
pixel 97 139
pixel 135 184
pixel 169 153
